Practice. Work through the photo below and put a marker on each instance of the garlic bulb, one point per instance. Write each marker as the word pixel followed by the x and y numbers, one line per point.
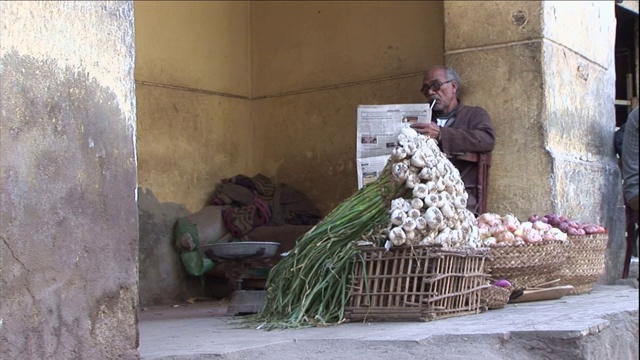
pixel 412 180
pixel 397 236
pixel 400 171
pixel 427 240
pixel 440 184
pixel 409 132
pixel 433 216
pixel 455 237
pixel 411 235
pixel 431 200
pixel 419 159
pixel 460 202
pixel 431 186
pixel 426 174
pixel 417 203
pixel 447 210
pixel 398 216
pixel 443 237
pixel 402 139
pixel 450 189
pixel 414 214
pixel 410 148
pixel 399 153
pixel 397 203
pixel 443 198
pixel 420 191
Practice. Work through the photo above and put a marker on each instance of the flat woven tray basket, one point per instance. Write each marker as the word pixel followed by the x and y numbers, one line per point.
pixel 527 265
pixel 495 297
pixel 416 283
pixel 585 262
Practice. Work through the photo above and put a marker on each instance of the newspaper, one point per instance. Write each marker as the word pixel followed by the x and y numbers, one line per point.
pixel 377 134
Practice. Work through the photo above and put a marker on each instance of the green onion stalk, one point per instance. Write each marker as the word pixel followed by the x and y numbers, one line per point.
pixel 311 285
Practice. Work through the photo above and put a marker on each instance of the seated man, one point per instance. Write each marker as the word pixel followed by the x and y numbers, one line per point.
pixel 630 160
pixel 458 128
pixel 629 157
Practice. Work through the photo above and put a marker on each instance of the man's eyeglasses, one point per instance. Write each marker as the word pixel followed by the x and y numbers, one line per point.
pixel 434 86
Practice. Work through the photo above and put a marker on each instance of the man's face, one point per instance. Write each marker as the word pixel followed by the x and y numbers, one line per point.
pixel 436 86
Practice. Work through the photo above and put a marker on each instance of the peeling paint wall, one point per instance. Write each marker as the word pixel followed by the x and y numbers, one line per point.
pixel 579 113
pixel 544 70
pixel 69 220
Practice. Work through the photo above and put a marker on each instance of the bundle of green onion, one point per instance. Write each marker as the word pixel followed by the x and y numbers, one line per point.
pixel 310 286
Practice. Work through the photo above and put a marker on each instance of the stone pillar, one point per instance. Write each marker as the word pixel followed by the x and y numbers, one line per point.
pixel 544 70
pixel 68 212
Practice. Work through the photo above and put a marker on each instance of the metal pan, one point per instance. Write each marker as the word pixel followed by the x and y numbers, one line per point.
pixel 241 250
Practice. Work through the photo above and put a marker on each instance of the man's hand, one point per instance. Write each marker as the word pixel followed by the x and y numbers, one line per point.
pixel 428 129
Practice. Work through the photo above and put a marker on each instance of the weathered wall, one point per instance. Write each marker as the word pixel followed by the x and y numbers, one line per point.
pixel 313 63
pixel 549 84
pixel 210 79
pixel 194 125
pixel 580 116
pixel 192 72
pixel 69 221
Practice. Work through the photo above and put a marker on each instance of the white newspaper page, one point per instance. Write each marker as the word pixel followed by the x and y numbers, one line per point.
pixel 377 134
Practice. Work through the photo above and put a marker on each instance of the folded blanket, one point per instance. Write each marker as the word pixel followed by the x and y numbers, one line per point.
pixel 252 202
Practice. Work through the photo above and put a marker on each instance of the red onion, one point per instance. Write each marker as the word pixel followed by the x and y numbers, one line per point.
pixel 555 221
pixel 502 283
pixel 573 231
pixel 590 229
pixel 533 218
pixel 564 226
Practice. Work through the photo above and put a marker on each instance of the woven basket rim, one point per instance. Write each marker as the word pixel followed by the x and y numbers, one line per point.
pixel 538 243
pixel 435 248
pixel 588 236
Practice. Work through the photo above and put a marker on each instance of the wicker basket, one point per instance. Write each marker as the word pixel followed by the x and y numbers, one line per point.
pixel 416 283
pixel 495 297
pixel 585 263
pixel 527 265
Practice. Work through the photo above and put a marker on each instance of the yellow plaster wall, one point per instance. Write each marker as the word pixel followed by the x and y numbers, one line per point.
pixel 197 44
pixel 313 63
pixel 193 87
pixel 211 77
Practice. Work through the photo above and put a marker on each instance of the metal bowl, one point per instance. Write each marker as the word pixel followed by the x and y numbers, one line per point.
pixel 241 250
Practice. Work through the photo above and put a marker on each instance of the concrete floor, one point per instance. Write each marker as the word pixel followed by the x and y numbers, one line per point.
pixel 600 325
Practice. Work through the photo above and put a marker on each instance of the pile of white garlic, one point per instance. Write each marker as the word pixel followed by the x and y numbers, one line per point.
pixel 437 214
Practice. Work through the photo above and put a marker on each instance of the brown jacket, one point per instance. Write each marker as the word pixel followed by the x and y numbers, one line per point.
pixel 470 130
